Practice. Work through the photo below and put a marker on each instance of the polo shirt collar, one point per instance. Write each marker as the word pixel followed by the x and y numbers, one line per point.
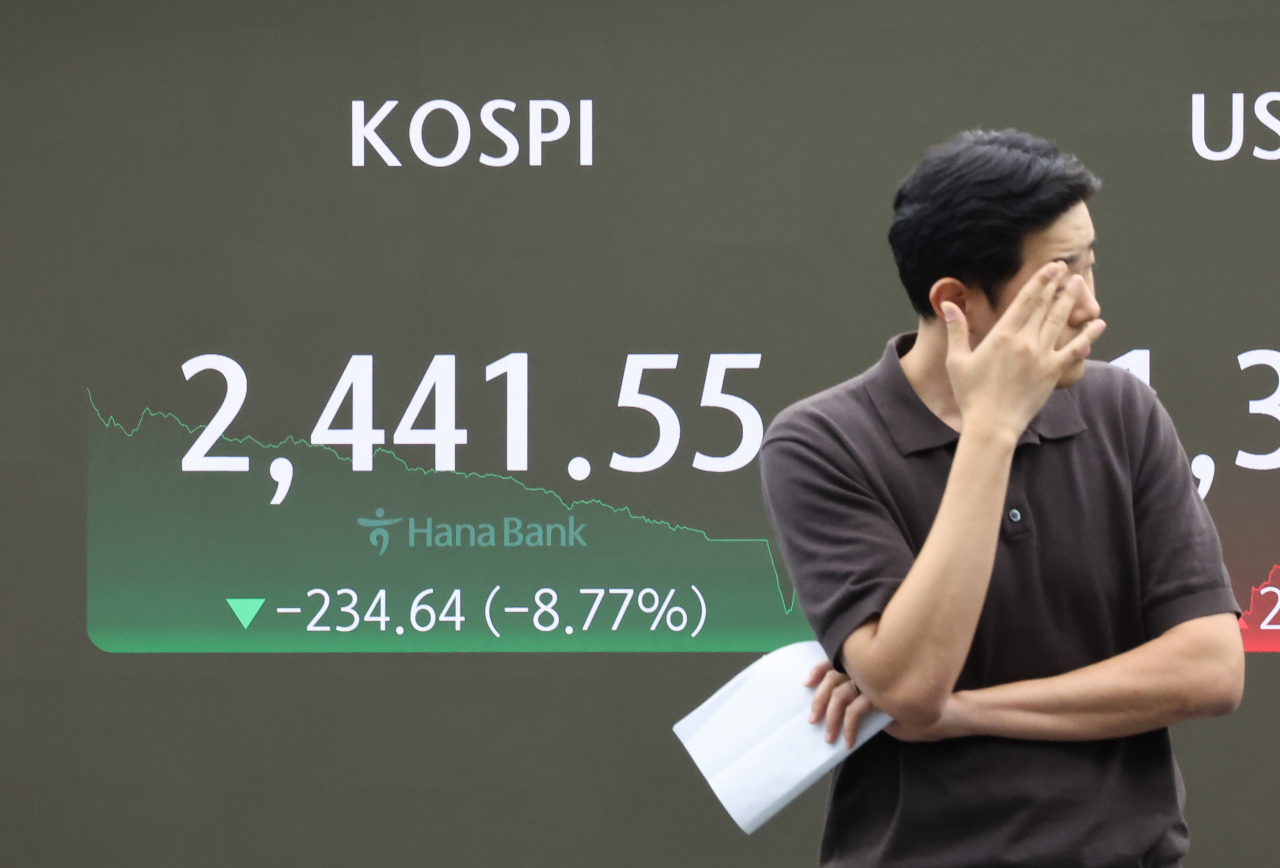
pixel 914 427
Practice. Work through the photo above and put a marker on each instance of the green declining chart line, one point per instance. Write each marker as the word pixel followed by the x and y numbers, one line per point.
pixel 110 422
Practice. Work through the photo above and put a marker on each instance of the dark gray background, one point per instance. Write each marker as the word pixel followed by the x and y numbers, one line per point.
pixel 175 179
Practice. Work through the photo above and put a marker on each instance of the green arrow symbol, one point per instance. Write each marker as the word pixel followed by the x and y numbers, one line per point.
pixel 245 608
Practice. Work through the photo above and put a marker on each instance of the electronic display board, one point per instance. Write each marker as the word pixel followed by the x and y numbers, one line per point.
pixel 450 331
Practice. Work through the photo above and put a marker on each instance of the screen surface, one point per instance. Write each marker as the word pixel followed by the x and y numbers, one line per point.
pixel 423 328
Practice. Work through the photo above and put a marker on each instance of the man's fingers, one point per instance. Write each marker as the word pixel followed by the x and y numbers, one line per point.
pixel 817 673
pixel 818 707
pixel 1035 295
pixel 840 699
pixel 957 331
pixel 822 697
pixel 1076 347
pixel 1060 310
pixel 852 715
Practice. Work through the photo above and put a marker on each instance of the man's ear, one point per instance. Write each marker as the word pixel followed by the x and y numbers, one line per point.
pixel 952 290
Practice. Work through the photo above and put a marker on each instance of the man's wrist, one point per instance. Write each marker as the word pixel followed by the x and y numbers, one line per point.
pixel 989 436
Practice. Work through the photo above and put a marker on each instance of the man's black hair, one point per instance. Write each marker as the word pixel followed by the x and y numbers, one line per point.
pixel 966 207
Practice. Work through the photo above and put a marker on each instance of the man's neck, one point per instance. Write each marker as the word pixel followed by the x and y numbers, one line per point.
pixel 925 365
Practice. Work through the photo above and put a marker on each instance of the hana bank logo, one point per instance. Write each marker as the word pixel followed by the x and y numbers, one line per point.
pixel 1261 111
pixel 379 533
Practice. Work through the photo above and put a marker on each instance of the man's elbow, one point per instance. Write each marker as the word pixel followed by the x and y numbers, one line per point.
pixel 914 695
pixel 915 698
pixel 918 714
pixel 1223 696
pixel 1221 682
pixel 916 706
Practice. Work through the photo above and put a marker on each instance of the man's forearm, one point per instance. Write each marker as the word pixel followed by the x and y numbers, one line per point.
pixel 1195 669
pixel 907 662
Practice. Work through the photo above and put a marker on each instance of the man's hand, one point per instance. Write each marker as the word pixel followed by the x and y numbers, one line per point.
pixel 837 702
pixel 1006 379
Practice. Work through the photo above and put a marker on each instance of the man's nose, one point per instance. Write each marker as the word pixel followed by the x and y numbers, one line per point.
pixel 1087 308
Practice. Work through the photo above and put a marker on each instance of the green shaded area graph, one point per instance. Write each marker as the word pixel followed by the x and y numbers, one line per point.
pixel 397 559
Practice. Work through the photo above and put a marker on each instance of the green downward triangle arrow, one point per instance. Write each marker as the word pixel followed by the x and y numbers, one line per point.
pixel 245 608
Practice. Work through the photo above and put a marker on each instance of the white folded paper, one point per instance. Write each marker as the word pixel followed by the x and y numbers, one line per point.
pixel 752 739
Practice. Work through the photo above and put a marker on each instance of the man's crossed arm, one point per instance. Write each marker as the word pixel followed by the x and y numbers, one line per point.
pixel 1194 669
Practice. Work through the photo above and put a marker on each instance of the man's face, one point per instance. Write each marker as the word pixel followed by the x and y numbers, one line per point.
pixel 1069 239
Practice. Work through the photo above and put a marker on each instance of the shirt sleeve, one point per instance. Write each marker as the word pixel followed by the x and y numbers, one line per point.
pixel 844 552
pixel 1179 554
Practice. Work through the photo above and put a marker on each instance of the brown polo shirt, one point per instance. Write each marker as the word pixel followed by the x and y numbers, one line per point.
pixel 1104 545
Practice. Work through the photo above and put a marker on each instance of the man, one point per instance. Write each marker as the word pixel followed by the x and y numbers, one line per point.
pixel 1001 545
